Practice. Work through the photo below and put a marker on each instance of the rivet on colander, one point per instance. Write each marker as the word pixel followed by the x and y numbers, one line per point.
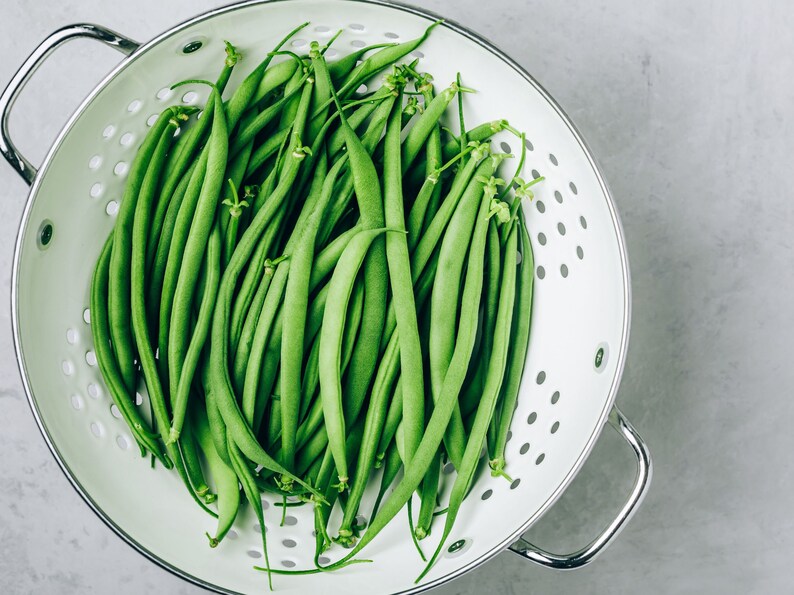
pixel 192 46
pixel 45 234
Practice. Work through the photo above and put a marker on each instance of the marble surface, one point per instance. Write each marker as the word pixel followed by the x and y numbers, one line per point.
pixel 689 107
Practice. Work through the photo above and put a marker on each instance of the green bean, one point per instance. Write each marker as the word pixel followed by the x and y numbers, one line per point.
pixel 235 211
pixel 251 491
pixel 192 257
pixel 480 133
pixel 342 67
pixel 193 352
pixel 428 495
pixel 157 268
pixel 326 260
pixel 390 470
pixel 444 407
pixel 393 418
pixel 290 109
pixel 493 383
pixel 190 456
pixel 519 344
pixel 337 139
pixel 331 343
pixel 223 475
pixel 119 280
pixel 426 123
pixel 143 434
pixel 296 301
pixel 274 77
pixel 402 293
pixel 183 157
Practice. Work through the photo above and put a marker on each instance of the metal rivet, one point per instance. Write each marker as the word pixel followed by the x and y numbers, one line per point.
pixel 192 46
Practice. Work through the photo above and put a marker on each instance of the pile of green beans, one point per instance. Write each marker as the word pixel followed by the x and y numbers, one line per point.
pixel 314 283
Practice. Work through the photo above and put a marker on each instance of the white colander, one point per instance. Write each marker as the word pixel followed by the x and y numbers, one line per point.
pixel 579 328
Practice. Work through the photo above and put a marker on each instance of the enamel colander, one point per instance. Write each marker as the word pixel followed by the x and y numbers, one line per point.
pixel 580 318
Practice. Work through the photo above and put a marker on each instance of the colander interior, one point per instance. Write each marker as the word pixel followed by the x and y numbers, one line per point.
pixel 579 317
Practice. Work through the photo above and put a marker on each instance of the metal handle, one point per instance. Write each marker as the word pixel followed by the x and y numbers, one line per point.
pixel 587 554
pixel 20 79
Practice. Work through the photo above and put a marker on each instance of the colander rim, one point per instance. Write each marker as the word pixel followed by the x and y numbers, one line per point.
pixel 485 44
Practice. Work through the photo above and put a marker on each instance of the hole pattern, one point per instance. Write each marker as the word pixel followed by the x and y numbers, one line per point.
pixel 558 196
pixel 573 188
pixel 583 222
pixel 322 29
pixel 297 43
pixel 331 53
pixel 164 93
pixel 555 397
pixel 114 411
pixel 487 494
pixel 67 367
pixel 357 43
pixel 528 144
pixel 126 139
pixel 541 273
pixel 540 206
pixel 417 54
pixel 561 228
pixel 390 35
pixel 109 131
pixel 112 208
pixel 564 271
pixel 122 442
pixel 553 159
pixel 134 106
pixel 505 147
pixel 290 521
pixel 540 459
pixel 290 543
pixel 579 253
pixel 93 391
pixel 542 239
pixel 356 27
pixel 190 97
pixel 254 553
pixel 532 418
pixel 87 316
pixel 554 427
pixel 77 402
pixel 288 563
pixel 515 483
pixel 151 120
pixel 541 377
pixel 524 448
pixel 96 429
pixel 90 358
pixel 71 336
pixel 96 190
pixel 94 162
pixel 120 168
pixel 232 534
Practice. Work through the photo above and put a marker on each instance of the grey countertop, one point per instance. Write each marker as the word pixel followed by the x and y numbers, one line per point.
pixel 689 107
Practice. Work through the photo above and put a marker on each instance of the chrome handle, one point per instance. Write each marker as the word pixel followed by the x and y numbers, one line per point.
pixel 587 554
pixel 20 79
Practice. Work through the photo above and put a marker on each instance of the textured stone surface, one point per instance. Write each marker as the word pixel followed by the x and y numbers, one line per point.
pixel 688 107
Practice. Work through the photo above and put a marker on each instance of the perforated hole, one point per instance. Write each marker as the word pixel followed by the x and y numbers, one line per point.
pixel 579 252
pixel 541 273
pixel 573 188
pixel 232 534
pixel 552 158
pixel 93 390
pixel 524 448
pixel 254 554
pixel 67 367
pixel 583 222
pixel 96 190
pixel 120 168
pixel 96 429
pixel 554 427
pixel 289 563
pixel 360 522
pixel 505 147
pixel 114 411
pixel 361 89
pixel 564 271
pixel 540 458
pixel 558 196
pixel 290 521
pixel 94 162
pixel 528 144
pixel 555 397
pixel 542 239
pixel 289 543
pixel 71 336
pixel 324 560
pixel 331 53
pixel 519 257
pixel 138 399
pixel 298 43
pixel 540 206
pixel 357 43
pixel 90 358
pixel 112 208
pixel 448 468
pixel 458 548
pixel 134 106
pixel 126 139
pixel 561 228
pixel 322 29
pixel 541 377
pixel 535 174
pixel 122 442
pixel 109 131
pixel 164 93
pixel 390 35
pixel 515 483
pixel 487 494
pixel 87 316
pixel 356 27
pixel 509 436
pixel 265 504
pixel 190 97
pixel 417 54
pixel 151 120
pixel 533 417
pixel 77 402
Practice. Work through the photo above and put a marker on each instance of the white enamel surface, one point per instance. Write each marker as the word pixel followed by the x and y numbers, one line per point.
pixel 572 315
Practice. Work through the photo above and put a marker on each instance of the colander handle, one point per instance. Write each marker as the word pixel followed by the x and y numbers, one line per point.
pixel 20 79
pixel 587 554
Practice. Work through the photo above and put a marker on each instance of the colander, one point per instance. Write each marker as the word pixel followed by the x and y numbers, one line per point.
pixel 580 316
